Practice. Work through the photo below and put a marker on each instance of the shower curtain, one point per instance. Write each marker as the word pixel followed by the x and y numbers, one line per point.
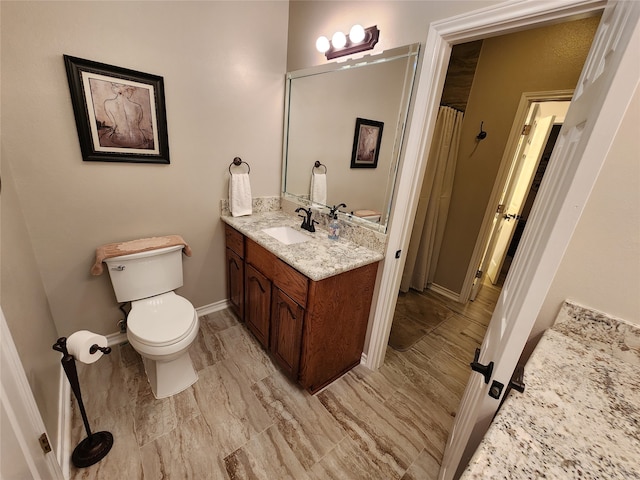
pixel 433 205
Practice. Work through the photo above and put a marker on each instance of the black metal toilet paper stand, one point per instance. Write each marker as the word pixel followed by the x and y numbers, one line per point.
pixel 96 446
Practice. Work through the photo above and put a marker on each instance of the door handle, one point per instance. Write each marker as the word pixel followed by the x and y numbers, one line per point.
pixel 485 370
pixel 509 216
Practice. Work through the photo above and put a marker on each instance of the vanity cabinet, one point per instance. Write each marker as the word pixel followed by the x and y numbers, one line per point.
pixel 235 270
pixel 314 330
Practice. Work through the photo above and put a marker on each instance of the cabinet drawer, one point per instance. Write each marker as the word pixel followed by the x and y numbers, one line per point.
pixel 260 258
pixel 285 277
pixel 291 281
pixel 234 240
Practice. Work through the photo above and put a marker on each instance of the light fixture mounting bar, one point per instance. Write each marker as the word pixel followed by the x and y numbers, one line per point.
pixel 371 36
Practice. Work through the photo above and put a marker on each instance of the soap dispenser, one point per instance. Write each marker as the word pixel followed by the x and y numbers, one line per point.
pixel 334 225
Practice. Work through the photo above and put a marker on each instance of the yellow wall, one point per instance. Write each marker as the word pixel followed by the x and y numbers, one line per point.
pixel 548 58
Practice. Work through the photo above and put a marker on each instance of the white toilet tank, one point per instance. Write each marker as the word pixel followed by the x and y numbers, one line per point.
pixel 145 274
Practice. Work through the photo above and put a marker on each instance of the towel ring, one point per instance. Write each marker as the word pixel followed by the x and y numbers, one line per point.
pixel 318 165
pixel 237 162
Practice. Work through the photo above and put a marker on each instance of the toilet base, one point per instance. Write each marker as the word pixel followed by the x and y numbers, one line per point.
pixel 172 377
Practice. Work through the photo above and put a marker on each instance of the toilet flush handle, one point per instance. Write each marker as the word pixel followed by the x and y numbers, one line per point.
pixel 119 268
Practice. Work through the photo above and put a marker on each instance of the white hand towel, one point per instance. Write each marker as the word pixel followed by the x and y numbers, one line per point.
pixel 319 188
pixel 240 195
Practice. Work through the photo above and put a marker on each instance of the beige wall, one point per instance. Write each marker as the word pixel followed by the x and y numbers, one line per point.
pixel 223 65
pixel 25 306
pixel 548 58
pixel 601 267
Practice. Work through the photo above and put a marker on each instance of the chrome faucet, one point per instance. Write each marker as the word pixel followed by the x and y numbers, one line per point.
pixel 307 221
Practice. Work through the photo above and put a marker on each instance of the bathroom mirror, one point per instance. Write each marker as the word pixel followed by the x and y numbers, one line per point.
pixel 327 108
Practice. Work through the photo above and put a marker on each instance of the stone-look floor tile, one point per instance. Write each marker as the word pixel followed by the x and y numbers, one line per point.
pixel 374 427
pixel 123 460
pixel 303 422
pixel 394 421
pixel 450 372
pixel 429 346
pixel 246 353
pixel 421 414
pixel 422 383
pixel 111 382
pixel 185 453
pixel 206 350
pixel 229 406
pixel 265 457
pixel 458 340
pixel 347 462
pixel 381 383
pixel 425 467
pixel 219 321
pixel 155 417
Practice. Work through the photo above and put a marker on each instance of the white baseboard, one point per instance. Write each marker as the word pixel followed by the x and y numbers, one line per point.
pixel 445 292
pixel 212 307
pixel 63 441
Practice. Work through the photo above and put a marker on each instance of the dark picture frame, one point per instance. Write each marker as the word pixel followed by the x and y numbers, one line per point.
pixel 120 113
pixel 366 143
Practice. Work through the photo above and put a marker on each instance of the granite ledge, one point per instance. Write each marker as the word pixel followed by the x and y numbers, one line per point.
pixel 319 258
pixel 578 417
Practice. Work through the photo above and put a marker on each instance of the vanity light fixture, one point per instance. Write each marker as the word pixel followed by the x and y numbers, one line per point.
pixel 359 40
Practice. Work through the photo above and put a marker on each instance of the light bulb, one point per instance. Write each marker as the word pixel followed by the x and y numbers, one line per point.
pixel 322 44
pixel 356 34
pixel 338 40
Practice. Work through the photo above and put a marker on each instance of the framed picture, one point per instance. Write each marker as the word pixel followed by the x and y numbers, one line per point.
pixel 120 113
pixel 366 143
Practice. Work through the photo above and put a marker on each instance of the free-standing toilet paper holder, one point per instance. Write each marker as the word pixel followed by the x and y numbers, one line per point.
pixel 96 446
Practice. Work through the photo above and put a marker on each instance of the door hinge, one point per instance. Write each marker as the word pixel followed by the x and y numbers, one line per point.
pixel 526 129
pixel 44 443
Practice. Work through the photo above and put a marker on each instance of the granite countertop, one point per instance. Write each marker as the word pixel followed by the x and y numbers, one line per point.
pixel 319 258
pixel 579 416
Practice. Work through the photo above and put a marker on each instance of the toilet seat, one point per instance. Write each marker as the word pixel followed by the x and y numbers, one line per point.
pixel 161 320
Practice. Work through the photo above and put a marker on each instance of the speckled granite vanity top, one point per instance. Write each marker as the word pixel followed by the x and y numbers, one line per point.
pixel 579 416
pixel 318 258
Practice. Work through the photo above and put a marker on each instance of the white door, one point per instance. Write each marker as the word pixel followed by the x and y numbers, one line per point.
pixel 21 456
pixel 518 185
pixel 602 95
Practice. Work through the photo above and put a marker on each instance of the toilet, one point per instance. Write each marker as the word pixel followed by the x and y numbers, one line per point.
pixel 371 215
pixel 161 326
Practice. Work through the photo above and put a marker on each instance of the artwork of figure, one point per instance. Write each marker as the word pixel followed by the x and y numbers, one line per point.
pixel 125 126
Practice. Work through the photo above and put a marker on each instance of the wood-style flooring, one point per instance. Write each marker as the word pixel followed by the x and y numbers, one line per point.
pixel 243 419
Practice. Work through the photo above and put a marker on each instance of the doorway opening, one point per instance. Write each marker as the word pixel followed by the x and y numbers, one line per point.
pixel 532 151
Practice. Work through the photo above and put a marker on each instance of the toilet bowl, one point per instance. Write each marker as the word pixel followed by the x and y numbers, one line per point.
pixel 161 329
pixel 161 325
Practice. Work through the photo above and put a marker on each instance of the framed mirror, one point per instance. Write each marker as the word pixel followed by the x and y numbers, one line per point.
pixel 350 117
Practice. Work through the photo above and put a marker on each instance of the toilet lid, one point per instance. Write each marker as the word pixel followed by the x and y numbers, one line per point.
pixel 161 320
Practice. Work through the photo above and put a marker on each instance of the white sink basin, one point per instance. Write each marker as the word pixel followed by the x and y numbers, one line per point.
pixel 287 235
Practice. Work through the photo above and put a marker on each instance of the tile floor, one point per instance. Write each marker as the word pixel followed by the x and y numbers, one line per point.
pixel 243 419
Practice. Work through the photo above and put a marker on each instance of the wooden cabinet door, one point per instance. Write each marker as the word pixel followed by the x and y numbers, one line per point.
pixel 257 306
pixel 235 283
pixel 286 332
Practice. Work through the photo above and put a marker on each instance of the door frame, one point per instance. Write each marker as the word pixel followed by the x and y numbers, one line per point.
pixel 492 21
